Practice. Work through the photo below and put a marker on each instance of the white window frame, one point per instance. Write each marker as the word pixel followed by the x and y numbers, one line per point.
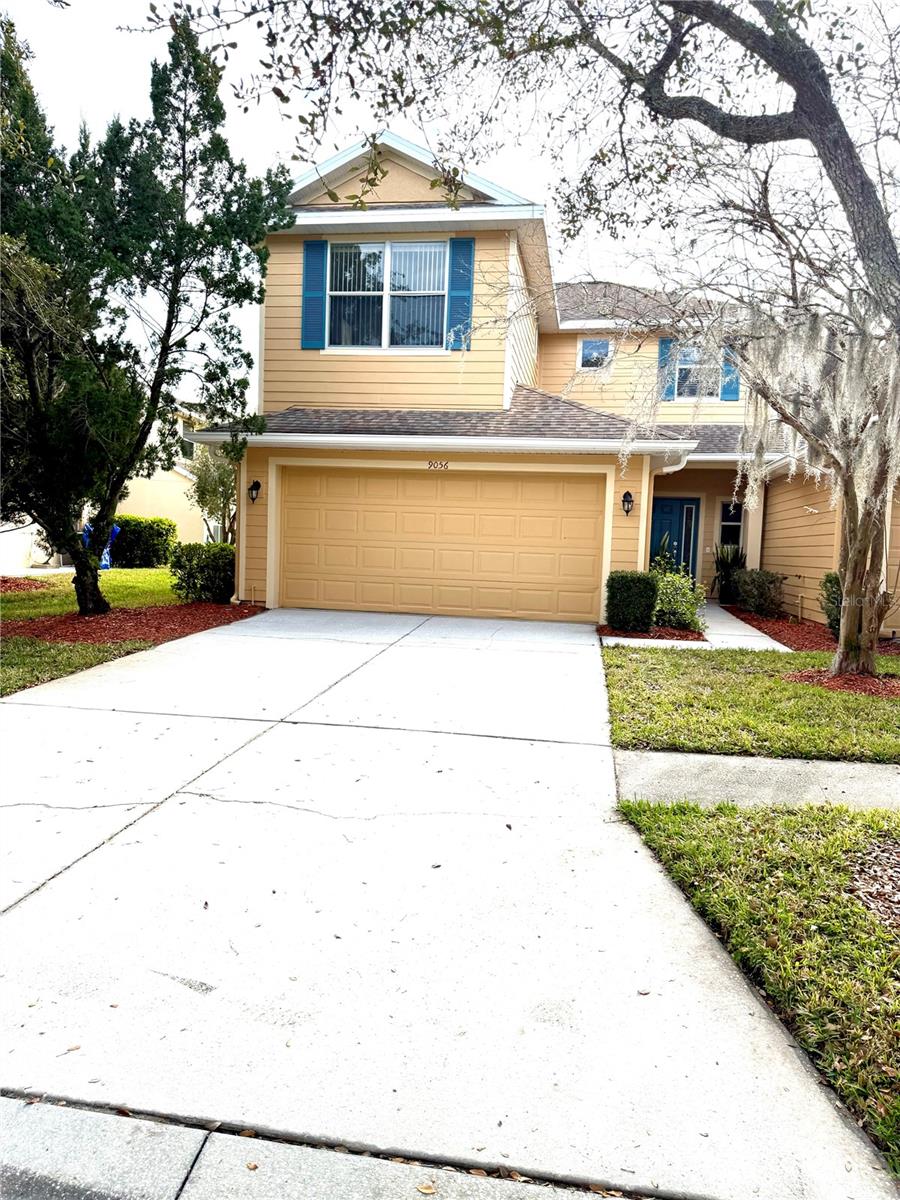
pixel 592 337
pixel 385 348
pixel 716 395
pixel 738 521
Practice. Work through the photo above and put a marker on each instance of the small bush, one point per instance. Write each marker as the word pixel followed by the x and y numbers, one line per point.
pixel 832 598
pixel 729 560
pixel 630 600
pixel 760 592
pixel 143 541
pixel 678 602
pixel 204 572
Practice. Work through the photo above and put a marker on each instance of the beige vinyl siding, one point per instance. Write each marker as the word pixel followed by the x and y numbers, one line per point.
pixel 892 620
pixel 627 385
pixel 626 530
pixel 522 333
pixel 712 488
pixel 401 185
pixel 800 541
pixel 165 494
pixel 458 379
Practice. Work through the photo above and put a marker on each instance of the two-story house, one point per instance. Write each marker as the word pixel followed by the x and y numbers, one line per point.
pixel 445 427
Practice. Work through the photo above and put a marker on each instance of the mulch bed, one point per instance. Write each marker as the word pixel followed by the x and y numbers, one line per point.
pixel 21 583
pixel 885 686
pixel 156 623
pixel 657 633
pixel 801 635
pixel 876 881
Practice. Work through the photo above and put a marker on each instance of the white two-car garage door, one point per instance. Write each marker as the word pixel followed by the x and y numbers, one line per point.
pixel 464 543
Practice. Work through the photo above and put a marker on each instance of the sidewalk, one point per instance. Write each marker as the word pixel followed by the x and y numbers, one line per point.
pixel 70 1154
pixel 723 632
pixel 711 779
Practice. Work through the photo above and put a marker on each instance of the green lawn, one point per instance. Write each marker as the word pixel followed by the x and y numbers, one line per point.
pixel 123 587
pixel 735 702
pixel 26 661
pixel 772 883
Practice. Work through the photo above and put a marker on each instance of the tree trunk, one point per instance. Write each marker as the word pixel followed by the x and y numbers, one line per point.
pixel 91 601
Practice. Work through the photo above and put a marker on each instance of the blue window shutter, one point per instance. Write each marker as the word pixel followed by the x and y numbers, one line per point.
pixel 667 367
pixel 315 259
pixel 731 380
pixel 459 293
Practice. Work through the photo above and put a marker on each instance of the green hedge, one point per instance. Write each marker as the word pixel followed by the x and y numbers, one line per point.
pixel 630 600
pixel 143 541
pixel 760 592
pixel 832 598
pixel 204 572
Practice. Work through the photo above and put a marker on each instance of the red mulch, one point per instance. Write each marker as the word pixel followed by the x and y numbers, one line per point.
pixel 801 635
pixel 20 583
pixel 885 686
pixel 156 623
pixel 657 633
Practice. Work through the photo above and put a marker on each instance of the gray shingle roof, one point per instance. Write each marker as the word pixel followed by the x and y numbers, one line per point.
pixel 600 300
pixel 532 414
pixel 711 439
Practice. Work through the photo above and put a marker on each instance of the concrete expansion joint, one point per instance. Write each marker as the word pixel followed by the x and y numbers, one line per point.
pixel 493 1171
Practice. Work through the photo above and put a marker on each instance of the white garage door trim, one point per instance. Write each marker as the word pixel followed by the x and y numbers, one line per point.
pixel 273 521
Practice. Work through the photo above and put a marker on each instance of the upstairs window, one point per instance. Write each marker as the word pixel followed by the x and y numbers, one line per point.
pixel 594 354
pixel 387 294
pixel 730 524
pixel 697 373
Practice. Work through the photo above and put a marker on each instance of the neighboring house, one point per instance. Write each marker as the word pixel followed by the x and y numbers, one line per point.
pixel 165 494
pixel 444 424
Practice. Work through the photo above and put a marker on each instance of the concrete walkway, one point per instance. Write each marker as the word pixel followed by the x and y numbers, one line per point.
pixel 360 880
pixel 710 779
pixel 724 631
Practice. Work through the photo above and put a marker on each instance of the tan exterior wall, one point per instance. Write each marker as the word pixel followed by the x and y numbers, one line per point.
pixel 401 185
pixel 800 540
pixel 385 379
pixel 165 495
pixel 892 620
pixel 625 541
pixel 627 385
pixel 712 488
pixel 522 334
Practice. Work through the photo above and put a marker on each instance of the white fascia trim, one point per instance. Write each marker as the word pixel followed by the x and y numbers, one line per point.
pixel 730 458
pixel 315 175
pixel 496 445
pixel 499 215
pixel 588 326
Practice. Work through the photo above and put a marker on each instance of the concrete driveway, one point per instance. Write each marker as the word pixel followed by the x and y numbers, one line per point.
pixel 359 879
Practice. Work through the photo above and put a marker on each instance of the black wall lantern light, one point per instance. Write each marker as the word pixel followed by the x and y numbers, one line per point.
pixel 627 502
pixel 253 491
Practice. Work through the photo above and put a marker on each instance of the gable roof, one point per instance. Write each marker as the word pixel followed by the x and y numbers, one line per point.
pixel 310 182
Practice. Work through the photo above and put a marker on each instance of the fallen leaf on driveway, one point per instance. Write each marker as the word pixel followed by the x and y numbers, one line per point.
pixel 252 1166
pixel 427 1189
pixel 641 993
pixel 247 1133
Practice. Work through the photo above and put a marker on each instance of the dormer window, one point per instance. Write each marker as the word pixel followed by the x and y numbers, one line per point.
pixel 387 294
pixel 594 353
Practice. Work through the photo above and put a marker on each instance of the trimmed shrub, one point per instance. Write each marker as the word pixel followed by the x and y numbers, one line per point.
pixel 204 572
pixel 630 600
pixel 760 592
pixel 678 602
pixel 143 541
pixel 832 598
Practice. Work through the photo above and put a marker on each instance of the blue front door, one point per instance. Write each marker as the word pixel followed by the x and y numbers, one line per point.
pixel 679 519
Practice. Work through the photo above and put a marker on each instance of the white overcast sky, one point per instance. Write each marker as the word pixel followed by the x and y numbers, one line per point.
pixel 87 68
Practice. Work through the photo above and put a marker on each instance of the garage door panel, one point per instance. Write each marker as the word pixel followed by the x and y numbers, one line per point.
pixel 496 545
